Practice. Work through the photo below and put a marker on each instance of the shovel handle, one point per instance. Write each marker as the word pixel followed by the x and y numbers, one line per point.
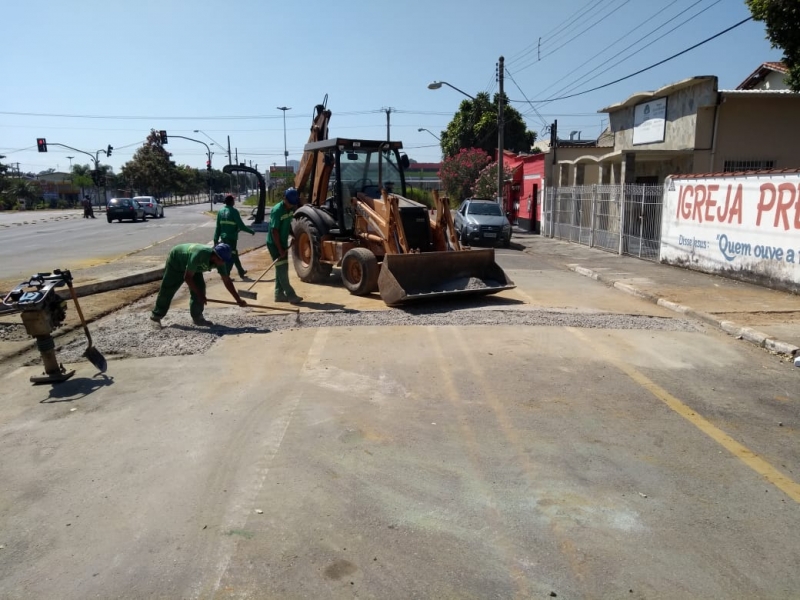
pixel 294 310
pixel 260 277
pixel 80 312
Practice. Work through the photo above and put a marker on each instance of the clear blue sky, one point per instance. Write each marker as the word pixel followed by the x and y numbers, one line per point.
pixel 224 66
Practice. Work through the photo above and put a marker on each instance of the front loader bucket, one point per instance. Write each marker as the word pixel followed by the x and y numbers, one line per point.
pixel 411 277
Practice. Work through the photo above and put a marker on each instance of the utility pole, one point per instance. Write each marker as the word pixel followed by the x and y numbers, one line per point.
pixel 285 151
pixel 230 175
pixel 500 128
pixel 388 112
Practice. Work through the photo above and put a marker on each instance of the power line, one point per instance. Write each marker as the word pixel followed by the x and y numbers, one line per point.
pixel 162 118
pixel 615 42
pixel 653 66
pixel 541 118
pixel 571 86
pixel 583 11
pixel 571 40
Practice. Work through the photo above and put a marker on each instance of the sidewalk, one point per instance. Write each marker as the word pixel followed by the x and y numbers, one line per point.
pixel 765 317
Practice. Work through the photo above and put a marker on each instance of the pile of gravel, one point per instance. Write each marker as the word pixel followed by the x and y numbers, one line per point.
pixel 132 334
pixel 13 332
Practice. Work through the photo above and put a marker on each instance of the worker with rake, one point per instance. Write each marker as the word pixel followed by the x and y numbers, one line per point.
pixel 280 226
pixel 186 263
pixel 229 224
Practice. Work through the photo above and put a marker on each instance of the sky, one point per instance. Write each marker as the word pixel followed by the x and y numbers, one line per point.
pixel 93 73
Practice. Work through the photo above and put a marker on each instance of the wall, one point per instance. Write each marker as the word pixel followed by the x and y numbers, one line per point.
pixel 754 126
pixel 745 227
pixel 682 107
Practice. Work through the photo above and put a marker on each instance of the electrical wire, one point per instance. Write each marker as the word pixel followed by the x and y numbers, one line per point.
pixel 571 86
pixel 653 66
pixel 571 39
pixel 541 118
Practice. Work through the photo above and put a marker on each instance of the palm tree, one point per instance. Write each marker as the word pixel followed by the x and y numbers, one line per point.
pixel 26 190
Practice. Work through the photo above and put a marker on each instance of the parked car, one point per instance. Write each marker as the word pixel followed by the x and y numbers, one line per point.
pixel 151 206
pixel 124 208
pixel 482 221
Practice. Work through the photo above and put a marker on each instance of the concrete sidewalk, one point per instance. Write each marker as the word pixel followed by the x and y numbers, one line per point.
pixel 765 317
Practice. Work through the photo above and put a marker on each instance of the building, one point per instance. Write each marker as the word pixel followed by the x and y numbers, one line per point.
pixel 769 76
pixel 523 194
pixel 424 176
pixel 690 126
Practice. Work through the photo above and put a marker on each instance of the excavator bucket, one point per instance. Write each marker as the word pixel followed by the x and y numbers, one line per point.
pixel 410 277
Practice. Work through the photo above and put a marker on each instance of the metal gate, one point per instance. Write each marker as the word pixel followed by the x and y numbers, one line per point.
pixel 619 218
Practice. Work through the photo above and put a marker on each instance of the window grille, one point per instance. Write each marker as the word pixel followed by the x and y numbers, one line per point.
pixel 733 166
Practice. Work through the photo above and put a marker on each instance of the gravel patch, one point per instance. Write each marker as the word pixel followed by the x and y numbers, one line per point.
pixel 132 334
pixel 13 332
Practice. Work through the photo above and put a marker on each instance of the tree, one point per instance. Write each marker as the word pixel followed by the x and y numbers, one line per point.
pixel 81 178
pixel 475 126
pixel 485 185
pixel 150 171
pixel 458 173
pixel 782 20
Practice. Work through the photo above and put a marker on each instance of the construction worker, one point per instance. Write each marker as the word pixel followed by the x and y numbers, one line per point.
pixel 280 226
pixel 229 224
pixel 186 263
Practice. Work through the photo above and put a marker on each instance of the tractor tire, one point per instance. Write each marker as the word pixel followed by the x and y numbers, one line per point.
pixel 360 271
pixel 306 253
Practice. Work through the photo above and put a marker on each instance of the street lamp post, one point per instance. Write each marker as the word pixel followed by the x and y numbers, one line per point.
pixel 209 154
pixel 70 162
pixel 435 85
pixel 285 151
pixel 429 131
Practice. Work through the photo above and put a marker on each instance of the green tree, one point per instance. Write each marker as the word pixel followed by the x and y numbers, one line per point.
pixel 150 171
pixel 475 126
pixel 81 178
pixel 485 185
pixel 458 173
pixel 782 20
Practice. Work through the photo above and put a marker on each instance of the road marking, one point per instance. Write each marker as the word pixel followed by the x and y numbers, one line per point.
pixel 748 457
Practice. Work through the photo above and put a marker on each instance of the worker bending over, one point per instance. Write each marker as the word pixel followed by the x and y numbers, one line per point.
pixel 229 224
pixel 186 263
pixel 280 226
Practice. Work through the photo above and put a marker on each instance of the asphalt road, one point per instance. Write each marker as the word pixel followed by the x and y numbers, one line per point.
pixel 51 239
pixel 571 459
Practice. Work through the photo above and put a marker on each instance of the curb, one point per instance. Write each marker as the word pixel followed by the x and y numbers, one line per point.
pixel 758 338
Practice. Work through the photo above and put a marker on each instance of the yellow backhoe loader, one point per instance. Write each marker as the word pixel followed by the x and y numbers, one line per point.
pixel 354 215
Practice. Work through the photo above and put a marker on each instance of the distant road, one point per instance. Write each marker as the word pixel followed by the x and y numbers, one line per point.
pixel 67 240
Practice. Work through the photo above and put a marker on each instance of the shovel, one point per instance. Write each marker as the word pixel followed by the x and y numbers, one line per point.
pixel 296 311
pixel 91 353
pixel 254 295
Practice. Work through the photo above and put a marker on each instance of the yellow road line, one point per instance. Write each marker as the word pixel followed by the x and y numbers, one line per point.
pixel 743 453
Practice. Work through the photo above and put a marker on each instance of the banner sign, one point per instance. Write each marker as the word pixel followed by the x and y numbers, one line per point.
pixel 649 122
pixel 744 224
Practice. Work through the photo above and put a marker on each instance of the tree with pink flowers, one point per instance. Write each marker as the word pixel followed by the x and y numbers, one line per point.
pixel 458 173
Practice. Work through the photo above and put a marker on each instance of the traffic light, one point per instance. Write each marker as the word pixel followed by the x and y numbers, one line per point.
pixel 163 135
pixel 208 165
pixel 110 148
pixel 41 144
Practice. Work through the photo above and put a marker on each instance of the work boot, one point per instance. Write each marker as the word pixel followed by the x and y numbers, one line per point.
pixel 281 298
pixel 295 300
pixel 155 320
pixel 242 274
pixel 202 322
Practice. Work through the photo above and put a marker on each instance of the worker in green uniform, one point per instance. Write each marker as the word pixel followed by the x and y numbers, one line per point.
pixel 280 226
pixel 229 224
pixel 186 263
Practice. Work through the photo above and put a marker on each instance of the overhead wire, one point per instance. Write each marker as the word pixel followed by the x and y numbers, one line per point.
pixel 574 84
pixel 571 39
pixel 653 66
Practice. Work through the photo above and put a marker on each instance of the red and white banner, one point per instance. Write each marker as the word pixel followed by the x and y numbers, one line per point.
pixel 746 225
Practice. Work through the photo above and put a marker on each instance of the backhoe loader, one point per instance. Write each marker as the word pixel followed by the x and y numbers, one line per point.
pixel 355 215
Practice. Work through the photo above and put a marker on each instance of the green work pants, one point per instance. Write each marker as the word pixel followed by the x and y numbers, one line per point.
pixel 283 289
pixel 237 263
pixel 173 279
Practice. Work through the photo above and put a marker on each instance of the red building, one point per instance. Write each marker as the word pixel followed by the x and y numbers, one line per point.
pixel 522 195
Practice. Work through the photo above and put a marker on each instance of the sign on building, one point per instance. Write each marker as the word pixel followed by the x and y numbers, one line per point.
pixel 744 226
pixel 649 122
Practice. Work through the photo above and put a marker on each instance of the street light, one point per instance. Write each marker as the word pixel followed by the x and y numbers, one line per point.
pixel 70 162
pixel 429 131
pixel 435 85
pixel 285 151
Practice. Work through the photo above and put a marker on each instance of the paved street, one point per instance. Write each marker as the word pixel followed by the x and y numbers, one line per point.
pixel 46 240
pixel 614 449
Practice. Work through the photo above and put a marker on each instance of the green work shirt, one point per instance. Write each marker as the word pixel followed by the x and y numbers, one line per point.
pixel 280 218
pixel 229 224
pixel 195 258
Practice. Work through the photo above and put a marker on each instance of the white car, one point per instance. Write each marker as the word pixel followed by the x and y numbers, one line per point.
pixel 151 206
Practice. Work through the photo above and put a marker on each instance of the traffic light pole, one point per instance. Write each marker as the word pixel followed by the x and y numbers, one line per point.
pixel 208 166
pixel 94 157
